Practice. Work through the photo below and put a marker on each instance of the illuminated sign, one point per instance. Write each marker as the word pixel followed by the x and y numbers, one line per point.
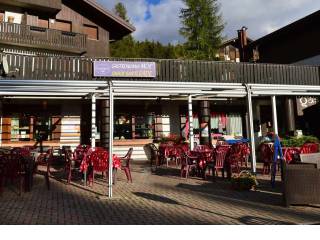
pixel 124 69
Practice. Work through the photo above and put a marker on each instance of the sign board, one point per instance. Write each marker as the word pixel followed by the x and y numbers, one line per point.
pixel 124 69
pixel 305 102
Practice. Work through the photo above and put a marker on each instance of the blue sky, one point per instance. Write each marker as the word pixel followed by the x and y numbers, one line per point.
pixel 158 19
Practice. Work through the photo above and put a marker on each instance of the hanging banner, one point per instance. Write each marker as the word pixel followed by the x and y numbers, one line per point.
pixel 124 69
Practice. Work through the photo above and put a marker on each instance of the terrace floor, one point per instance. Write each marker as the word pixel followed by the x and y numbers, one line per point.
pixel 160 198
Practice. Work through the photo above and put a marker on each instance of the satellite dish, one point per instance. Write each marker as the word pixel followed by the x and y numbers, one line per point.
pixel 5 65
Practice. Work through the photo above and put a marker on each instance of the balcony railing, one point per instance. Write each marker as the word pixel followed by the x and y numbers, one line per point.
pixel 37 37
pixel 78 68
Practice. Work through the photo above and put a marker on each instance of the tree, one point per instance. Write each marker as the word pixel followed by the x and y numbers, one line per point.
pixel 121 11
pixel 124 48
pixel 202 26
pixel 128 47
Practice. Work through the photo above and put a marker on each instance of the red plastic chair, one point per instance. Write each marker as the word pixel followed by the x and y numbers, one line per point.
pixel 220 156
pixel 235 157
pixel 289 153
pixel 169 153
pixel 266 156
pixel 126 166
pixel 99 163
pixel 16 169
pixel 3 164
pixel 188 162
pixel 45 159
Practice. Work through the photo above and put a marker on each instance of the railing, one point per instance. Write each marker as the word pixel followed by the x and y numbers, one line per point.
pixel 77 68
pixel 31 36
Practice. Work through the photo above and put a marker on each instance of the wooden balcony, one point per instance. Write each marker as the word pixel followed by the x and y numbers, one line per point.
pixel 80 68
pixel 50 7
pixel 42 38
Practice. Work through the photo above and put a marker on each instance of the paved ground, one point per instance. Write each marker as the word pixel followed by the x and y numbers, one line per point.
pixel 161 198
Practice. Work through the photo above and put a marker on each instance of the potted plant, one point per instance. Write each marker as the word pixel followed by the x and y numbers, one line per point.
pixel 298 141
pixel 245 181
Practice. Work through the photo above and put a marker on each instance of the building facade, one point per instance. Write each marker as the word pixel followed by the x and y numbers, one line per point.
pixel 50 95
pixel 59 27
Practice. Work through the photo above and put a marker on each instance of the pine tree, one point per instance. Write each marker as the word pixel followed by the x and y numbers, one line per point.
pixel 202 26
pixel 126 47
pixel 121 11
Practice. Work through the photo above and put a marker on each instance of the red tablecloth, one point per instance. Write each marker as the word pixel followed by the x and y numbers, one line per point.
pixel 288 153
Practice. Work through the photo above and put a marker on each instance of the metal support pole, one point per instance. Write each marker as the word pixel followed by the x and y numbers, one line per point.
pixel 190 112
pixel 251 132
pixel 93 121
pixel 111 109
pixel 274 115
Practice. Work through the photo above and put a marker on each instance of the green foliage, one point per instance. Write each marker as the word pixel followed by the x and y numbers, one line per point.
pixel 202 39
pixel 245 181
pixel 202 27
pixel 121 11
pixel 298 141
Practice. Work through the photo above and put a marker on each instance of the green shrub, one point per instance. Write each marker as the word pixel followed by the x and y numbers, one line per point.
pixel 244 181
pixel 298 141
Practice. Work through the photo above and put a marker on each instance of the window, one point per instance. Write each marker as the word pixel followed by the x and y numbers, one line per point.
pixel 134 127
pixel 42 129
pixel 20 129
pixel 61 25
pixel 123 127
pixel 44 23
pixel 91 31
pixel 144 126
pixel 12 17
